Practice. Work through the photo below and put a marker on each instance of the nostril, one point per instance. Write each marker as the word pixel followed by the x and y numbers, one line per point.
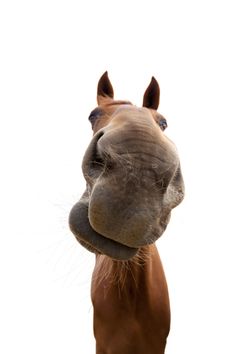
pixel 98 136
pixel 97 162
pixel 93 163
pixel 96 158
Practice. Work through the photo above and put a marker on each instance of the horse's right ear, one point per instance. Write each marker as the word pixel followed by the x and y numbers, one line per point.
pixel 105 89
pixel 151 96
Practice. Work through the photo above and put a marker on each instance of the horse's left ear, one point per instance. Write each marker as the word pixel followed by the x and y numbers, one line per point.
pixel 151 96
pixel 105 89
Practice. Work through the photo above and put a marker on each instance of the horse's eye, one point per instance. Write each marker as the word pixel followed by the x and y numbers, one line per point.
pixel 163 123
pixel 96 113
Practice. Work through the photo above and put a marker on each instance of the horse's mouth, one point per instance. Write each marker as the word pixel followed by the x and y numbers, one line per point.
pixel 92 240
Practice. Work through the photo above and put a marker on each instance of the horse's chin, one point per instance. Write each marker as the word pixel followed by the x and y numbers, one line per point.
pixel 92 240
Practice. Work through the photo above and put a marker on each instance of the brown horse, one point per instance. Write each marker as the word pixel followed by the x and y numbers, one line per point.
pixel 133 180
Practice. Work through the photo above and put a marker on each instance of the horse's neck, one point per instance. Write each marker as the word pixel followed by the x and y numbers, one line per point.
pixel 138 277
pixel 131 304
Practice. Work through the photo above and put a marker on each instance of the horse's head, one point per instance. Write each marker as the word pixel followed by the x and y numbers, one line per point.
pixel 133 176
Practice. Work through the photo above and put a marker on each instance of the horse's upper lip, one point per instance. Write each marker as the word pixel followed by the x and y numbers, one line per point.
pixel 80 226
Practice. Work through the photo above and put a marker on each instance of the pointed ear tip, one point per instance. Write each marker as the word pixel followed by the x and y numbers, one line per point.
pixel 104 76
pixel 154 79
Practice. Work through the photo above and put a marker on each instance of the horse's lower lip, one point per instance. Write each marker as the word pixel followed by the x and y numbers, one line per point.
pixel 93 241
pixel 87 245
pixel 120 253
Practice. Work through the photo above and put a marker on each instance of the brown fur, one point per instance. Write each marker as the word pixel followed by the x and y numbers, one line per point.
pixel 131 305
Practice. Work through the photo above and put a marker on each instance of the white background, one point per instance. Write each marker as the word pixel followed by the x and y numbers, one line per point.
pixel 52 55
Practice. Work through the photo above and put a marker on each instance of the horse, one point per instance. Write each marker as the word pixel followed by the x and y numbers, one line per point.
pixel 133 181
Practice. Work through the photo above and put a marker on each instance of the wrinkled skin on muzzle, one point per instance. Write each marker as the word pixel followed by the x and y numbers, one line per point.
pixel 133 180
